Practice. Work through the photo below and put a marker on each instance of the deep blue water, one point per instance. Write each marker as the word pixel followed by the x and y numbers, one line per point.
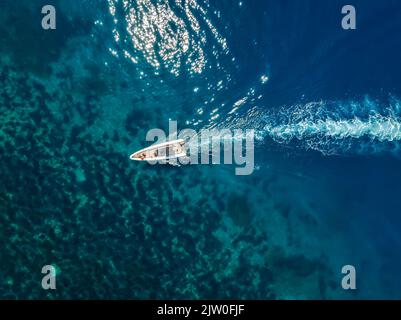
pixel 77 101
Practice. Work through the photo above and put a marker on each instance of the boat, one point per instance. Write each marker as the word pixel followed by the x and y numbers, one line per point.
pixel 161 151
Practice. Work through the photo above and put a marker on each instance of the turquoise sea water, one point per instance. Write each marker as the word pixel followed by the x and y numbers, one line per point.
pixel 75 102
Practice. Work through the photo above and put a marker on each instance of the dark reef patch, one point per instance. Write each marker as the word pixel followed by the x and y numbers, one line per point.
pixel 239 210
pixel 134 120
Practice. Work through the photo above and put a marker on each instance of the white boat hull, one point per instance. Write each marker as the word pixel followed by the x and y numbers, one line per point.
pixel 161 151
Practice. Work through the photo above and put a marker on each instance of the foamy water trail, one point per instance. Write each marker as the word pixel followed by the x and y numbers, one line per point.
pixel 376 128
pixel 362 127
pixel 331 127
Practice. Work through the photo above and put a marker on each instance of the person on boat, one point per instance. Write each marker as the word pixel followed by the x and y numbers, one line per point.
pixel 178 148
